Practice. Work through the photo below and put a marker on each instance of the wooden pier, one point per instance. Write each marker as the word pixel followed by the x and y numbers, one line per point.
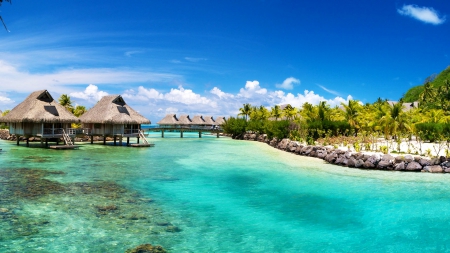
pixel 181 130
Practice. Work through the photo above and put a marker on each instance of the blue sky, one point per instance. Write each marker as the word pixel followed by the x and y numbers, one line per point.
pixel 210 57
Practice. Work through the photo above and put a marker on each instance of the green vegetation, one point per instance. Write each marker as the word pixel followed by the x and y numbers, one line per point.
pixel 436 81
pixel 354 124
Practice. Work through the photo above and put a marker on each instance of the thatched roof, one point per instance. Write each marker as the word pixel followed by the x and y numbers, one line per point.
pixel 209 120
pixel 185 120
pixel 220 120
pixel 198 120
pixel 112 109
pixel 39 107
pixel 170 119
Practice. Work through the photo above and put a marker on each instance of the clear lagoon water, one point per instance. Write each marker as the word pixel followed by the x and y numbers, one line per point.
pixel 212 195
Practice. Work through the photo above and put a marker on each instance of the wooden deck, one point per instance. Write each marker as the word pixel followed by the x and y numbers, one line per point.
pixel 181 130
pixel 62 147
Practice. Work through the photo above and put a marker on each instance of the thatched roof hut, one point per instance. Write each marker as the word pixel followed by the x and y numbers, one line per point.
pixel 169 119
pixel 112 109
pixel 185 120
pixel 209 121
pixel 220 120
pixel 39 107
pixel 198 120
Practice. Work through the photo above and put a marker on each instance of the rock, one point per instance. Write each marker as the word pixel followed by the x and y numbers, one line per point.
pixel 339 160
pixel 147 248
pixel 387 158
pixel 383 164
pixel 331 157
pixel 344 161
pixel 351 162
pixel 321 154
pixel 359 163
pixel 373 159
pixel 445 164
pixel 359 156
pixel 414 166
pixel 447 170
pixel 399 159
pixel 313 153
pixel 424 162
pixel 433 169
pixel 368 165
pixel 399 166
pixel 435 161
pixel 442 159
pixel 409 158
pixel 173 229
pixel 417 158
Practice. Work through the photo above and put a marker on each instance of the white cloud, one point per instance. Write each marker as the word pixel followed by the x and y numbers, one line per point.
pixel 328 90
pixel 310 97
pixel 424 14
pixel 171 110
pixel 252 89
pixel 186 96
pixel 288 84
pixel 191 59
pixel 91 93
pixel 216 91
pixel 14 79
pixel 5 100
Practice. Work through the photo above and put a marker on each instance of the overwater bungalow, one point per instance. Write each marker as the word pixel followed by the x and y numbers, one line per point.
pixel 209 121
pixel 185 121
pixel 198 120
pixel 39 115
pixel 170 120
pixel 112 117
pixel 220 121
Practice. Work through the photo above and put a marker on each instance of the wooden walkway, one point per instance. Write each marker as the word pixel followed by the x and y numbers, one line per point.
pixel 182 130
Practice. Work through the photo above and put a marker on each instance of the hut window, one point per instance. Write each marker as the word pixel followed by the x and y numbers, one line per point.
pixel 97 126
pixel 51 109
pixel 123 110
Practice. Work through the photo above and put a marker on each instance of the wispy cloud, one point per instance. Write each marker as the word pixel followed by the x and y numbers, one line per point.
pixel 424 14
pixel 191 59
pixel 328 90
pixel 288 83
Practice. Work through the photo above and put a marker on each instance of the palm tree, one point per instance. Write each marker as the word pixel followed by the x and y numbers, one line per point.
pixel 308 112
pixel 351 113
pixel 65 101
pixel 276 112
pixel 323 111
pixel 289 112
pixel 263 113
pixel 245 110
pixel 428 95
pixel 79 110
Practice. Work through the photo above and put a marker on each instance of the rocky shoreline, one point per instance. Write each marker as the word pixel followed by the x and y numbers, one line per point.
pixel 360 160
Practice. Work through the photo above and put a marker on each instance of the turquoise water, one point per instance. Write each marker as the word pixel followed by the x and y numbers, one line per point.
pixel 212 195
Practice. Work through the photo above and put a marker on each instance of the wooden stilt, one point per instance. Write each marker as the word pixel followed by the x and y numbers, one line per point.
pixel 92 139
pixel 104 139
pixel 120 141
pixel 217 134
pixel 28 142
pixel 162 133
pixel 46 142
pixel 18 139
pixel 181 133
pixel 115 140
pixel 199 134
pixel 128 141
pixel 137 140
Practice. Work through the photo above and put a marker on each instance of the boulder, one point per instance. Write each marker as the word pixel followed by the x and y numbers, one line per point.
pixel 399 159
pixel 331 157
pixel 368 165
pixel 359 163
pixel 373 159
pixel 447 170
pixel 388 158
pixel 409 158
pixel 147 248
pixel 433 169
pixel 351 162
pixel 424 162
pixel 322 154
pixel 399 166
pixel 383 164
pixel 414 166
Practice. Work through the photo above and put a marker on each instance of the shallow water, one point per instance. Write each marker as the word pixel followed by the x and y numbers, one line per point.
pixel 212 195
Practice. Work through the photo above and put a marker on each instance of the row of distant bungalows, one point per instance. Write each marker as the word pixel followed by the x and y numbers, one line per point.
pixel 184 121
pixel 40 115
